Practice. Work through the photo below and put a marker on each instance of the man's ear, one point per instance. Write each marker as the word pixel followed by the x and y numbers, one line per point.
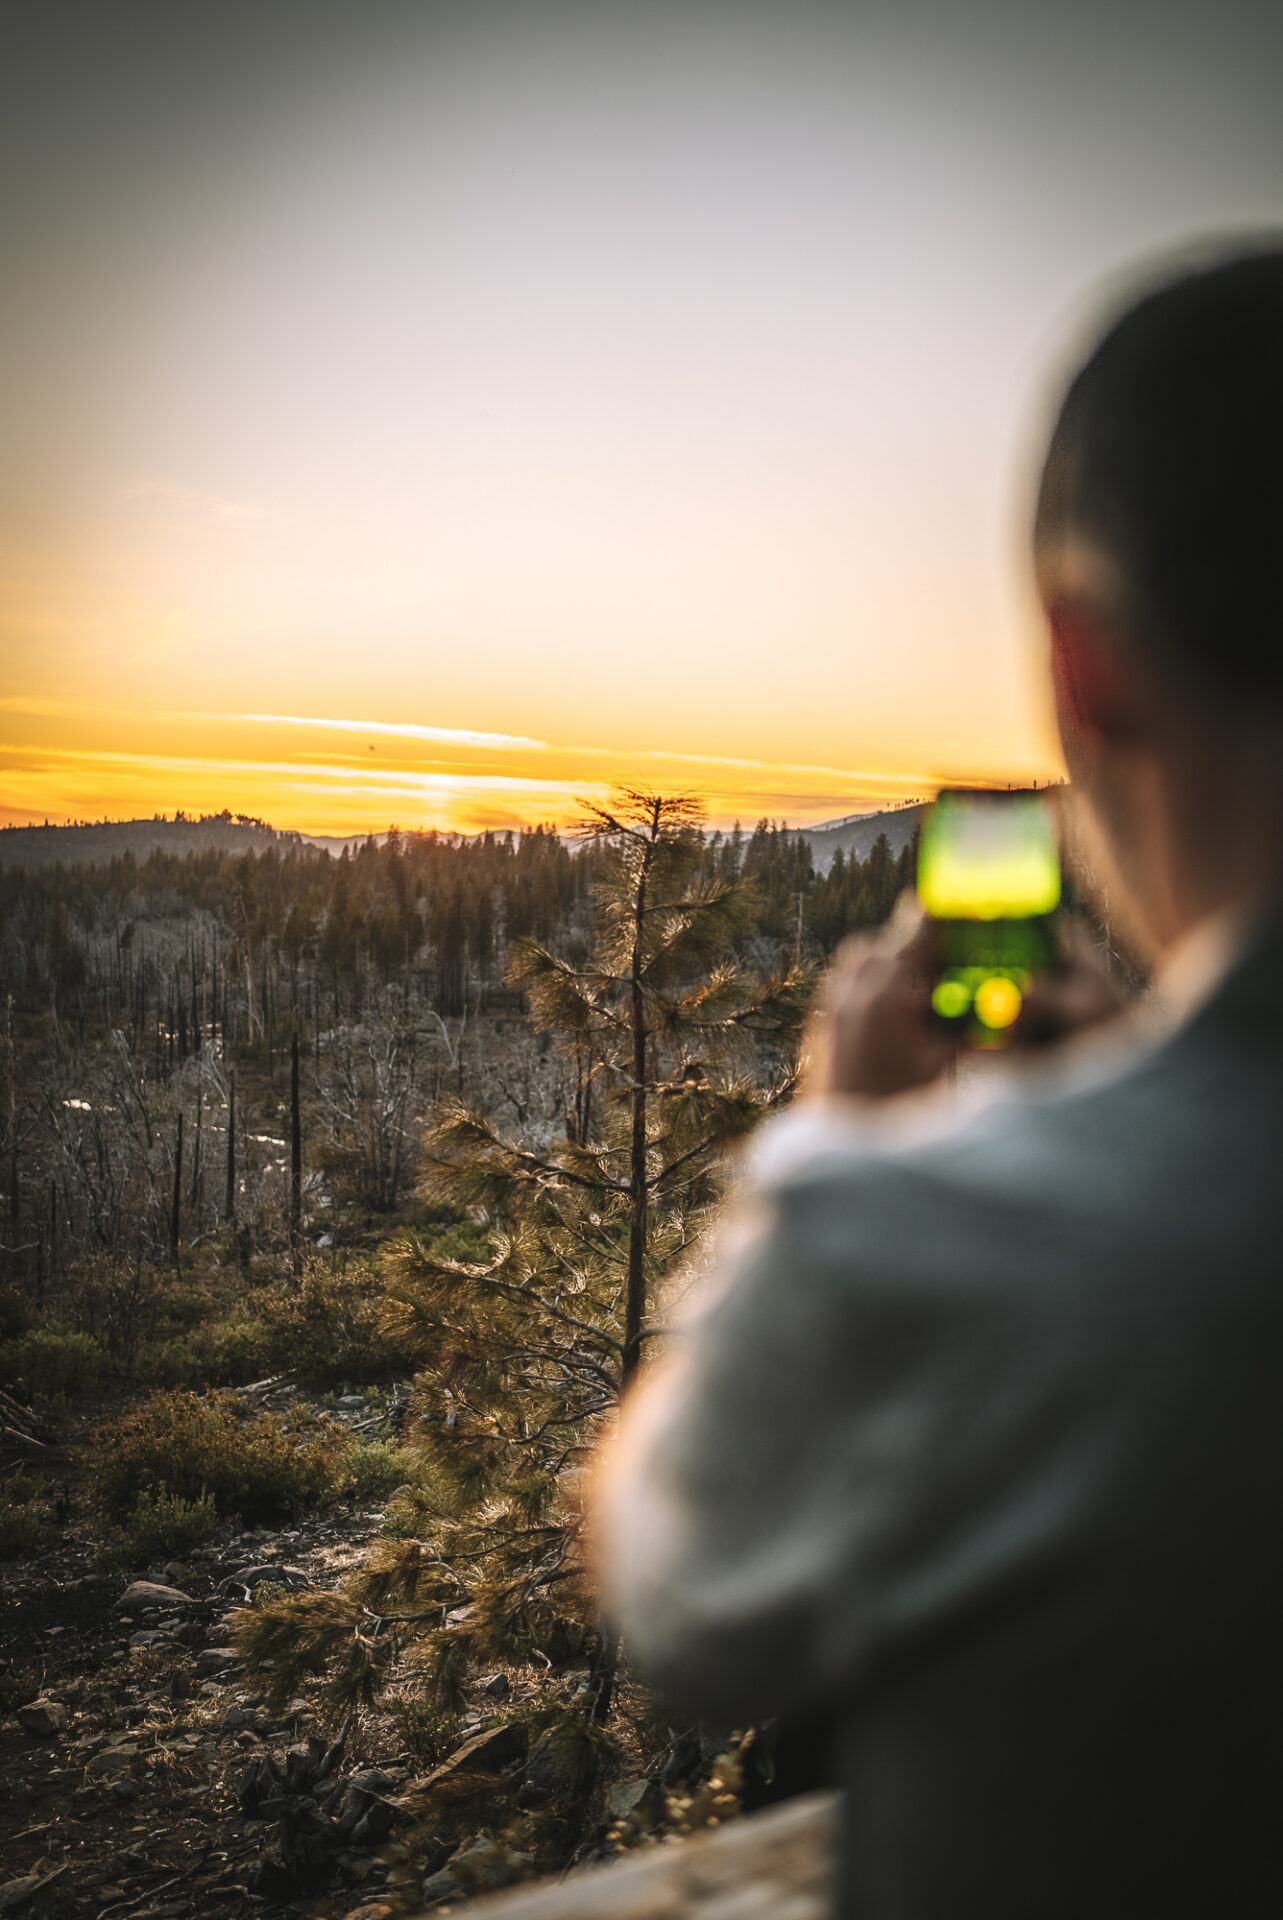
pixel 1096 694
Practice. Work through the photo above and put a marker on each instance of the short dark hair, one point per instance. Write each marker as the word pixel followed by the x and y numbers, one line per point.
pixel 1168 456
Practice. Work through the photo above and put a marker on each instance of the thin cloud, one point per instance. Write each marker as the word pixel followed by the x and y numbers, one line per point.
pixel 397 729
pixel 462 736
pixel 425 784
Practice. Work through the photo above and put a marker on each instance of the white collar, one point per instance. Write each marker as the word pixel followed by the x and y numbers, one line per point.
pixel 1195 967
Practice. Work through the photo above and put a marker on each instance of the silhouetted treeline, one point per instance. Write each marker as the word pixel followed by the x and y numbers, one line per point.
pixel 242 948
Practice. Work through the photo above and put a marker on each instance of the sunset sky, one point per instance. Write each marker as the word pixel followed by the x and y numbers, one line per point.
pixel 429 413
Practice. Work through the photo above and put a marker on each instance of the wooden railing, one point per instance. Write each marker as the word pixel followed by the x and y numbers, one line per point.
pixel 776 1865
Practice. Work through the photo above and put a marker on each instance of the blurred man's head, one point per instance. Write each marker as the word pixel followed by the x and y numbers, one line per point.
pixel 1158 538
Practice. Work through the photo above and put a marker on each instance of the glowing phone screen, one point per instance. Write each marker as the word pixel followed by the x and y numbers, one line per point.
pixel 989 872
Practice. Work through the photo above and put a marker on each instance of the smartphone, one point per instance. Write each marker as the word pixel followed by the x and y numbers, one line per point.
pixel 989 875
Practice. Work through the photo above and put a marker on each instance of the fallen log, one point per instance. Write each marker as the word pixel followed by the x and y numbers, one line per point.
pixel 775 1865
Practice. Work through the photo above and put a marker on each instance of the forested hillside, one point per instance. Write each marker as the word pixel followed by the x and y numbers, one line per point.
pixel 139 990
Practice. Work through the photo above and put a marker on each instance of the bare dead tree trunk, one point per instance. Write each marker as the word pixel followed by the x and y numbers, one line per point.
pixel 198 1166
pixel 230 1208
pixel 12 1122
pixel 175 1218
pixel 296 1163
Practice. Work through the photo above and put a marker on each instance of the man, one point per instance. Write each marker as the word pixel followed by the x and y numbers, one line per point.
pixel 974 1443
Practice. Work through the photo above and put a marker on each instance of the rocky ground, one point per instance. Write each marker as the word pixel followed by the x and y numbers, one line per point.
pixel 141 1779
pixel 121 1782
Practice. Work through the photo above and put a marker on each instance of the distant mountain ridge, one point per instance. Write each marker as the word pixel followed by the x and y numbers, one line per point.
pixel 856 833
pixel 94 843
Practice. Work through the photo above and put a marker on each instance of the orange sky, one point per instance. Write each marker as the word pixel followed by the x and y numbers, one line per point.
pixel 433 427
pixel 343 776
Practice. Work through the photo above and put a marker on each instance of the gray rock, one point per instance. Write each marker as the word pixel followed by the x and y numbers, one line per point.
pixel 214 1664
pixel 482 1865
pixel 440 1887
pixel 42 1718
pixel 375 1824
pixel 113 1760
pixel 488 1752
pixel 496 1686
pixel 176 1573
pixel 141 1594
pixel 629 1797
pixel 16 1895
pixel 561 1765
pixel 364 1814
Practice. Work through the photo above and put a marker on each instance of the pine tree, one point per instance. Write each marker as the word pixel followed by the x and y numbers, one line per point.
pixel 523 1353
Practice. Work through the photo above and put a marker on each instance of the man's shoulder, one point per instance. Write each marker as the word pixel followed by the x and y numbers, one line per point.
pixel 1095 1164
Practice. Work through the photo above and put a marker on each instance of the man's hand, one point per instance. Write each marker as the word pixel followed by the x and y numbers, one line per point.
pixel 873 1035
pixel 1081 993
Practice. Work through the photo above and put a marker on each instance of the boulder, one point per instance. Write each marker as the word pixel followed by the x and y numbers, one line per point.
pixel 481 1865
pixel 560 1767
pixel 141 1594
pixel 366 1814
pixel 629 1798
pixel 375 1824
pixel 17 1895
pixel 42 1718
pixel 214 1664
pixel 489 1752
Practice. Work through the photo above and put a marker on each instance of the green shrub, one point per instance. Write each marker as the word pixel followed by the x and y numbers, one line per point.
pixel 163 1524
pixel 24 1527
pixel 21 1488
pixel 330 1332
pixel 23 1532
pixel 375 1467
pixel 196 1444
pixel 53 1362
pixel 226 1353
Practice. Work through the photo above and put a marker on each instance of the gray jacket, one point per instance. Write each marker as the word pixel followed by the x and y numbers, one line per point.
pixel 975 1444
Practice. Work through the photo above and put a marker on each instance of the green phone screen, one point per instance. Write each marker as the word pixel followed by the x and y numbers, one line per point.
pixel 989 873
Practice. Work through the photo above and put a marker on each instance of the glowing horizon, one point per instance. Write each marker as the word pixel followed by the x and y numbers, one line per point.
pixel 474 780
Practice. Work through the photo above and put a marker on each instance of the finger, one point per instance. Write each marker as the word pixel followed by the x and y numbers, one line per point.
pixel 1060 1004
